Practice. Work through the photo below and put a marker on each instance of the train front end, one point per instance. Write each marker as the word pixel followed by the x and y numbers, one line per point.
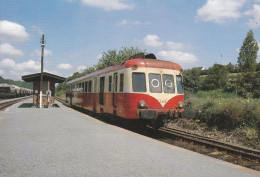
pixel 157 90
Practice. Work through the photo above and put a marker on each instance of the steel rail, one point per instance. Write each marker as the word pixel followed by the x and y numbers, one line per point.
pixel 8 103
pixel 234 149
pixel 62 101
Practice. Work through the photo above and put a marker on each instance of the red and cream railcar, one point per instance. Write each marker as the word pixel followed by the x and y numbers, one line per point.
pixel 136 89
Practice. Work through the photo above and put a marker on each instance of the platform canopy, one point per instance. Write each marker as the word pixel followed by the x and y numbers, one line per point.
pixel 46 77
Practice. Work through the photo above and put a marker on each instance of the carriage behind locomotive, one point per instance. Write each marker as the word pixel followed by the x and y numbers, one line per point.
pixel 13 91
pixel 138 89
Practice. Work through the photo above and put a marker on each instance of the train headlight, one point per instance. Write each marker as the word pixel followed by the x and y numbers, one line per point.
pixel 180 104
pixel 142 104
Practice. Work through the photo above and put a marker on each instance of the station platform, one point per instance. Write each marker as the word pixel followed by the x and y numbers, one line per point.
pixel 60 141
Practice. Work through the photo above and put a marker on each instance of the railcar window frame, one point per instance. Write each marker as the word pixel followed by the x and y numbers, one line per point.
pixel 135 85
pixel 95 84
pixel 110 84
pixel 155 84
pixel 82 86
pixel 170 84
pixel 86 87
pixel 90 86
pixel 121 82
pixel 179 85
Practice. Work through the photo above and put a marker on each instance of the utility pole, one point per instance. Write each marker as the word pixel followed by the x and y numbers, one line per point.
pixel 42 45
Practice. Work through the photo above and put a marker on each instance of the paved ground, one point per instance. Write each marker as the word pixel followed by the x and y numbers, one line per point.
pixel 62 142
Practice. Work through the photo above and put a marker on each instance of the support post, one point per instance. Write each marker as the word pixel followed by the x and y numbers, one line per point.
pixel 42 45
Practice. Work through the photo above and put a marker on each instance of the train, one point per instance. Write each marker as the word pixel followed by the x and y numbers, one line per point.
pixel 142 88
pixel 12 91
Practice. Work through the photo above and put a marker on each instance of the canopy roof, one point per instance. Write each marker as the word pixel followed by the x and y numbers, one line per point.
pixel 46 77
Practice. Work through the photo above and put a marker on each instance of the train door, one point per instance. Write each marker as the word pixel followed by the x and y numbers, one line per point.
pixel 115 89
pixel 94 95
pixel 101 90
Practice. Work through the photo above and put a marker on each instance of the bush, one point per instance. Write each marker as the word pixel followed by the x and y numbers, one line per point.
pixel 225 112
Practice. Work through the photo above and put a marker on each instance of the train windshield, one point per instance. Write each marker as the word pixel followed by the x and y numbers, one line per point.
pixel 179 84
pixel 168 83
pixel 139 82
pixel 155 83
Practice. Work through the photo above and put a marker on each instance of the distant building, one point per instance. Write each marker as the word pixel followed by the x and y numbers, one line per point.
pixel 200 68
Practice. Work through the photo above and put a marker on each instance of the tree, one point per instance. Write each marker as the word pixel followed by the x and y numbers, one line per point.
pixel 112 57
pixel 230 68
pixel 248 53
pixel 191 79
pixel 217 78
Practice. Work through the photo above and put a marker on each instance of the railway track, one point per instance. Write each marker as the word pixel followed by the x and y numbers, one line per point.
pixel 7 103
pixel 243 156
pixel 245 152
pixel 62 101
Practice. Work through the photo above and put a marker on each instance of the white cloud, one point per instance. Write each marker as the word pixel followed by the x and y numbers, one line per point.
pixel 152 40
pixel 127 22
pixel 29 65
pixel 7 63
pixel 99 56
pixel 37 29
pixel 46 53
pixel 108 5
pixel 255 13
pixel 11 31
pixel 178 57
pixel 81 68
pixel 12 70
pixel 8 49
pixel 174 45
pixel 219 11
pixel 65 66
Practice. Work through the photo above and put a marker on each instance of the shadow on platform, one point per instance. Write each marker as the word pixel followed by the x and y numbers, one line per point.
pixel 26 105
pixel 31 105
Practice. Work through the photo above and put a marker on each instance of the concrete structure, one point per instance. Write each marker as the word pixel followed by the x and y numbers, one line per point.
pixel 48 86
pixel 62 142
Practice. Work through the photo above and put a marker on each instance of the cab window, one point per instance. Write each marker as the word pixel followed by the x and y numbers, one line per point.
pixel 168 83
pixel 179 84
pixel 139 82
pixel 155 83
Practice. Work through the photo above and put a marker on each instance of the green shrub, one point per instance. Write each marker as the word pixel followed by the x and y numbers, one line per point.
pixel 225 111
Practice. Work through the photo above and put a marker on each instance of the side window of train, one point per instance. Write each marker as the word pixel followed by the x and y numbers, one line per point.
pixel 83 87
pixel 86 86
pixel 89 86
pixel 95 84
pixel 179 84
pixel 80 87
pixel 110 84
pixel 139 82
pixel 121 85
pixel 155 83
pixel 168 83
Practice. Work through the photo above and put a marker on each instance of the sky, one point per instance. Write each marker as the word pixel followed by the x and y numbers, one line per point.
pixel 190 33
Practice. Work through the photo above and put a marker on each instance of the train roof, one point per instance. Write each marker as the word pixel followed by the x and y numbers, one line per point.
pixel 138 62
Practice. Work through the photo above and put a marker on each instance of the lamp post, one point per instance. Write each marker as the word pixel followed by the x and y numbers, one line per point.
pixel 42 45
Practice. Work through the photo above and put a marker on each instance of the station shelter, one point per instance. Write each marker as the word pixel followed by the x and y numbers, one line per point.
pixel 48 87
